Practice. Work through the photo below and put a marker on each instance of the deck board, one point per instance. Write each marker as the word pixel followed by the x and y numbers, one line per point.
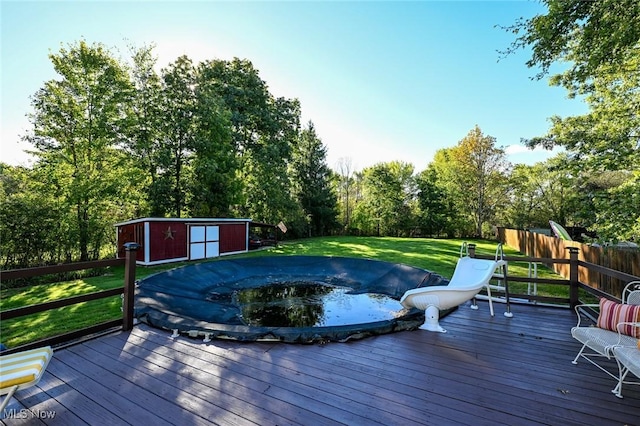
pixel 484 371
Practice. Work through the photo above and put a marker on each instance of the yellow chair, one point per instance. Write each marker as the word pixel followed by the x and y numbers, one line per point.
pixel 22 370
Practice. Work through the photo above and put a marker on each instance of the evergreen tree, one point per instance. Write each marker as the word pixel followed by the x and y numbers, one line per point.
pixel 311 180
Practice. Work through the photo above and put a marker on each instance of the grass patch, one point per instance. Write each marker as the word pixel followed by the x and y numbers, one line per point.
pixel 437 255
pixel 54 322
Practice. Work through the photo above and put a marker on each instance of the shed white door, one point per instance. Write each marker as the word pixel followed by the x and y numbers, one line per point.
pixel 204 241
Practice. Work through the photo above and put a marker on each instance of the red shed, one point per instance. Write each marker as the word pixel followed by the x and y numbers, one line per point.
pixel 164 240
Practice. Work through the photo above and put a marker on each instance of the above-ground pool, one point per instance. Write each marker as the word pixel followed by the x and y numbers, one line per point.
pixel 285 298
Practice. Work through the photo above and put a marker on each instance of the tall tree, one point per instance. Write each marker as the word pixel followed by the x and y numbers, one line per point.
pixel 607 137
pixel 178 136
pixel 311 179
pixel 542 192
pixel 387 206
pixel 435 209
pixel 445 170
pixel 345 189
pixel 245 95
pixel 618 213
pixel 608 203
pixel 600 42
pixel 264 130
pixel 145 125
pixel 77 123
pixel 476 171
pixel 269 183
pixel 590 36
pixel 215 186
pixel 31 223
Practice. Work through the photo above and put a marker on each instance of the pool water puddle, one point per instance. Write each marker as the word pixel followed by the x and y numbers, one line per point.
pixel 311 304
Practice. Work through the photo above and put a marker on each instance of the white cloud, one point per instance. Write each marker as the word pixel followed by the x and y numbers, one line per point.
pixel 13 154
pixel 516 149
pixel 520 154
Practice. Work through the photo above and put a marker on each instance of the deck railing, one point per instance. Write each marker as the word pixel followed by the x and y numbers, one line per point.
pixel 534 244
pixel 127 292
pixel 572 280
pixel 128 289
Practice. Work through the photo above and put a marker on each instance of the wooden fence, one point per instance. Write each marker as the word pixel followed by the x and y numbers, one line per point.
pixel 626 261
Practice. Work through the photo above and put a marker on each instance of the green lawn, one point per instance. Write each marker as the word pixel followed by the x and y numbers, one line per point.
pixel 437 255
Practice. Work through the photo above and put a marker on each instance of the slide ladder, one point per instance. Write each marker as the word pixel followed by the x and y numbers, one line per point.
pixel 501 285
pixel 532 273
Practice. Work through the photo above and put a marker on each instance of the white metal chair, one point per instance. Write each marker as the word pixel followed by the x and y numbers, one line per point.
pixel 628 359
pixel 599 342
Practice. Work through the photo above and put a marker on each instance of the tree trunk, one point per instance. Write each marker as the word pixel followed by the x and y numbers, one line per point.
pixel 83 230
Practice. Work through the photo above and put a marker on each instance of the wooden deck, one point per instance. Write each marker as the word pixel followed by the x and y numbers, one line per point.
pixel 484 371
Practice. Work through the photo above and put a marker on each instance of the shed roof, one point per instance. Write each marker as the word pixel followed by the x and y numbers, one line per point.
pixel 183 219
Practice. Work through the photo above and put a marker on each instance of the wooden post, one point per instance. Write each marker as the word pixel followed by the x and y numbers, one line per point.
pixel 129 285
pixel 573 276
pixel 472 249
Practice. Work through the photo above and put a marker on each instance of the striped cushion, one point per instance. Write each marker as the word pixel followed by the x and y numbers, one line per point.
pixel 611 313
pixel 23 368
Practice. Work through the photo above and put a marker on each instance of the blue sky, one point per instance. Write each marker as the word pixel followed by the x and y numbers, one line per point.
pixel 381 81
